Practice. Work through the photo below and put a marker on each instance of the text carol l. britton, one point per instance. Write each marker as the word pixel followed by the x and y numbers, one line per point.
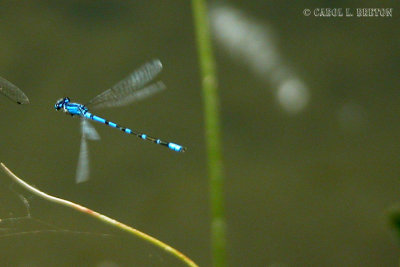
pixel 349 12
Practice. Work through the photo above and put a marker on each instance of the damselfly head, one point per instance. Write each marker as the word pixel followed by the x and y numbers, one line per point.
pixel 61 102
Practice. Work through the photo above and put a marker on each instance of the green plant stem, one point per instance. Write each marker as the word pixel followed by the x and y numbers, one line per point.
pixel 100 217
pixel 212 131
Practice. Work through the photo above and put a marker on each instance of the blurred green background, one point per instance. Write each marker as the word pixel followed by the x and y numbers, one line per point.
pixel 303 188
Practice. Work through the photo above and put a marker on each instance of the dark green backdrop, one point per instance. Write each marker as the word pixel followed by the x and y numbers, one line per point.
pixel 304 189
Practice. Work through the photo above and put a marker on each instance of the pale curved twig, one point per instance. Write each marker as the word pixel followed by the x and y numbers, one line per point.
pixel 100 217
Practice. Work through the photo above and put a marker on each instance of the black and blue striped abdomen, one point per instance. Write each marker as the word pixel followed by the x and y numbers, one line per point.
pixel 172 146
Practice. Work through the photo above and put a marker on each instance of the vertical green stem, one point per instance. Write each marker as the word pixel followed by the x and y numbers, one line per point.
pixel 212 131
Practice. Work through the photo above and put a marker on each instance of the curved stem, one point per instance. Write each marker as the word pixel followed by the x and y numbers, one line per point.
pixel 100 217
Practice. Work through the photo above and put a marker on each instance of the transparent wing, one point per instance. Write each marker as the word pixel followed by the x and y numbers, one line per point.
pixel 133 96
pixel 82 170
pixel 127 90
pixel 13 92
pixel 88 133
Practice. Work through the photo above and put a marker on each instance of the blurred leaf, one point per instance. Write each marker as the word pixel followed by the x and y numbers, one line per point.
pixel 394 219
